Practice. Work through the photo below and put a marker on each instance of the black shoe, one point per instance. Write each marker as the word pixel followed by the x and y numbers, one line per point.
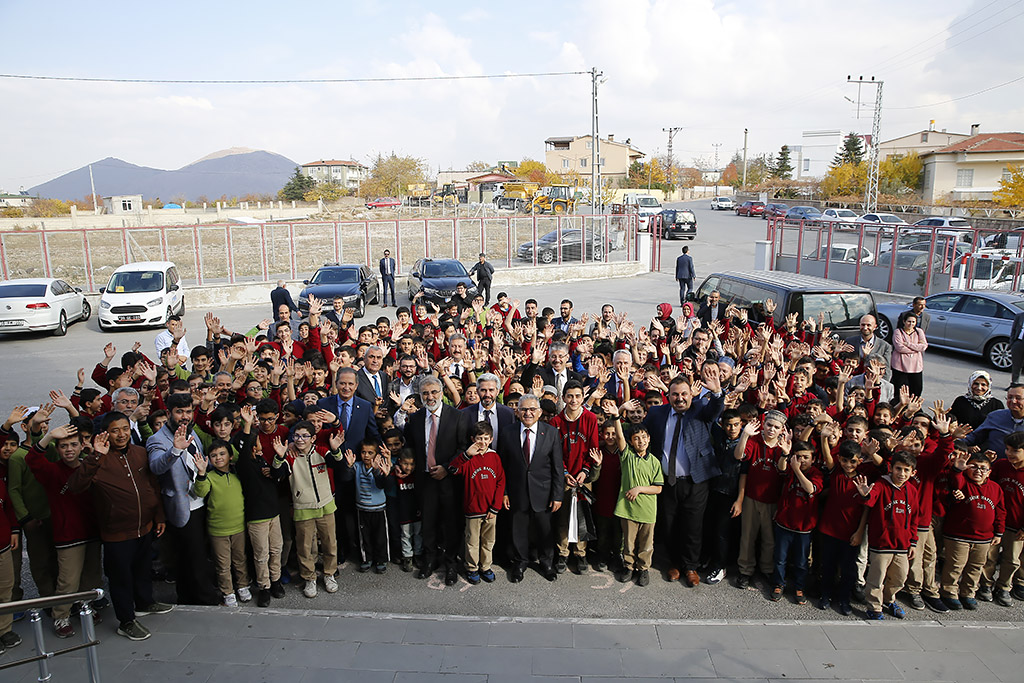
pixel 600 565
pixel 451 577
pixel 743 581
pixel 406 564
pixel 549 573
pixel 915 601
pixel 560 565
pixel 515 575
pixel 643 579
pixel 623 575
pixel 263 598
pixel 858 594
pixel 1017 592
pixel 581 565
pixel 935 604
pixel 364 567
pixel 10 639
pixel 984 593
pixel 1002 598
pixel 380 568
pixel 277 589
pixel 424 572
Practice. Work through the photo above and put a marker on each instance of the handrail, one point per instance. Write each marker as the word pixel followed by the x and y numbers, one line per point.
pixel 43 656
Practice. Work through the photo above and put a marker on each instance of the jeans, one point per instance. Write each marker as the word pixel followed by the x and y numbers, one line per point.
pixel 412 541
pixel 837 552
pixel 791 547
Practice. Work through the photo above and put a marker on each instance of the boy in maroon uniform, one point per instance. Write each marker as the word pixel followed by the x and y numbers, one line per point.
pixel 795 519
pixel 840 517
pixel 484 493
pixel 1009 474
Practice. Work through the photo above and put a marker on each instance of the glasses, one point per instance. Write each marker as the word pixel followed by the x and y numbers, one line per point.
pixel 533 409
pixel 303 437
pixel 980 467
pixel 272 418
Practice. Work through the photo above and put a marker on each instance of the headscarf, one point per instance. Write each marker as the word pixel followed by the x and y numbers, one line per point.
pixel 979 401
pixel 664 311
pixel 688 309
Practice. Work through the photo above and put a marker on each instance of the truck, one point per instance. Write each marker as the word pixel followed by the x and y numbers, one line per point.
pixel 419 193
pixel 452 194
pixel 555 199
pixel 517 196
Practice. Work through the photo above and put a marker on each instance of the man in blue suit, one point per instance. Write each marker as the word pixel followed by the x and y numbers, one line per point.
pixel 387 277
pixel 685 273
pixel 172 452
pixel 681 438
pixel 488 409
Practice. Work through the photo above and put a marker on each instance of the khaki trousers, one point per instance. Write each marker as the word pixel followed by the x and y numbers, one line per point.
pixel 267 544
pixel 887 572
pixel 562 527
pixel 310 532
pixel 6 586
pixel 1007 556
pixel 479 543
pixel 757 523
pixel 637 544
pixel 229 557
pixel 962 569
pixel 78 568
pixel 921 578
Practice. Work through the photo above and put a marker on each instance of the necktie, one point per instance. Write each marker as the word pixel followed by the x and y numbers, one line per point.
pixel 432 441
pixel 344 415
pixel 376 386
pixel 487 418
pixel 526 447
pixel 674 450
pixel 622 398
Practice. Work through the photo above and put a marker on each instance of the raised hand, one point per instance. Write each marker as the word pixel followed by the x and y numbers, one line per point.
pixel 101 444
pixel 81 377
pixel 863 487
pixel 109 351
pixel 280 447
pixel 752 428
pixel 60 400
pixel 201 462
pixel 350 457
pixel 182 437
pixel 336 440
pixel 596 456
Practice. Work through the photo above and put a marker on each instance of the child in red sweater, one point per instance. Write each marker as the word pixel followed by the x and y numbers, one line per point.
pixel 795 518
pixel 840 517
pixel 484 492
pixel 975 521
pixel 1009 474
pixel 760 449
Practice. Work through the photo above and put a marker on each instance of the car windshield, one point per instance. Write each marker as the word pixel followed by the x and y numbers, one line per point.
pixel 959 224
pixel 336 276
pixel 845 213
pixel 647 201
pixel 444 269
pixel 131 282
pixel 841 309
pixel 889 218
pixel 10 291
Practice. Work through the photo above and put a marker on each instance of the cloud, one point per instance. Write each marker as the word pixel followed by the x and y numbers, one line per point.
pixel 184 102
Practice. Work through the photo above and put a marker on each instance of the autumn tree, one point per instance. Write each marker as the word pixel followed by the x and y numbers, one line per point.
pixel 782 167
pixel 297 186
pixel 327 192
pixel 391 175
pixel 536 172
pixel 845 180
pixel 730 175
pixel 852 151
pixel 648 174
pixel 900 174
pixel 480 166
pixel 690 177
pixel 1011 188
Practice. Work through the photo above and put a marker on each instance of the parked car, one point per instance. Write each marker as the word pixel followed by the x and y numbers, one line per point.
pixel 803 213
pixel 1005 240
pixel 976 323
pixel 750 209
pixel 847 252
pixel 910 260
pixel 722 204
pixel 839 215
pixel 354 283
pixel 644 206
pixel 547 247
pixel 880 222
pixel 950 250
pixel 143 293
pixel 774 211
pixel 956 224
pixel 678 223
pixel 985 273
pixel 437 279
pixel 41 304
pixel 383 203
pixel 841 303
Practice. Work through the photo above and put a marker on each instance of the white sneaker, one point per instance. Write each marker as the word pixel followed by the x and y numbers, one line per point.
pixel 310 590
pixel 715 577
pixel 330 583
pixel 229 600
pixel 244 594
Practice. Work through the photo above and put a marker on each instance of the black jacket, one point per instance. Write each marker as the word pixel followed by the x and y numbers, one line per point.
pixel 534 488
pixel 260 491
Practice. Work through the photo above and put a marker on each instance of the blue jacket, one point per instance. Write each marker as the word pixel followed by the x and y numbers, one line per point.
pixel 167 463
pixel 684 267
pixel 991 433
pixel 696 435
pixel 361 422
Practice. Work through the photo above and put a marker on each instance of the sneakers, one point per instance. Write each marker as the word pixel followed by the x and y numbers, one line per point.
pixel 286 577
pixel 310 589
pixel 155 608
pixel 582 566
pixel 487 576
pixel 952 603
pixel 714 576
pixel 845 609
pixel 133 630
pixel 643 579
pixel 984 593
pixel 969 603
pixel 364 567
pixel 824 604
pixel 263 597
pixel 936 605
pixel 560 565
pixel 915 601
pixel 10 639
pixel 1017 592
pixel 277 589
pixel 330 583
pixel 380 568
pixel 623 575
pixel 473 577
pixel 896 610
pixel 776 594
pixel 1002 598
pixel 871 615
pixel 230 600
pixel 858 594
pixel 244 594
pixel 743 582
pixel 63 628
pixel 801 599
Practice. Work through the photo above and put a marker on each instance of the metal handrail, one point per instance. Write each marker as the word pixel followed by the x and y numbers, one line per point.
pixel 42 656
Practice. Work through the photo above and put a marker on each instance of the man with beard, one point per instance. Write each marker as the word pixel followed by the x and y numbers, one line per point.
pixel 171 452
pixel 436 434
pixel 488 409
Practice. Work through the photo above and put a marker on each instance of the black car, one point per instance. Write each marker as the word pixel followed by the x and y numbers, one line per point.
pixel 437 279
pixel 547 247
pixel 356 284
pixel 678 223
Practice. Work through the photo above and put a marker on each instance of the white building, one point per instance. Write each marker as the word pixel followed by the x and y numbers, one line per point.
pixel 346 173
pixel 122 204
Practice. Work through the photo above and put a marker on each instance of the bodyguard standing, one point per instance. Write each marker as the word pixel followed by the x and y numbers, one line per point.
pixel 484 272
pixel 387 276
pixel 684 274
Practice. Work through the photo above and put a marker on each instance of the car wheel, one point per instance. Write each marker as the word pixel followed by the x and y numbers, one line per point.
pixel 598 254
pixel 376 297
pixel 997 353
pixel 884 328
pixel 692 237
pixel 546 257
pixel 62 325
pixel 86 311
pixel 360 307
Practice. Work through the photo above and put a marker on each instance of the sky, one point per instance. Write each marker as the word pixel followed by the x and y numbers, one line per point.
pixel 775 67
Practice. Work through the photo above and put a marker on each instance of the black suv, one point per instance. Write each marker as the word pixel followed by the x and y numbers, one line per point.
pixel 437 278
pixel 678 223
pixel 354 283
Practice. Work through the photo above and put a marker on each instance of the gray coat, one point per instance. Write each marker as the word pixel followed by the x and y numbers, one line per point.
pixel 168 464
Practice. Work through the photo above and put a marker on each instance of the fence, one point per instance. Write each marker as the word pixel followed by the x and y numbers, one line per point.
pixel 926 260
pixel 230 253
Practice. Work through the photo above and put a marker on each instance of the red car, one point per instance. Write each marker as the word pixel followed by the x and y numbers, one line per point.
pixel 383 203
pixel 774 211
pixel 750 209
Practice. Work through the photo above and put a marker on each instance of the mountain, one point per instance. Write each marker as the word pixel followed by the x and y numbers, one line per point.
pixel 233 172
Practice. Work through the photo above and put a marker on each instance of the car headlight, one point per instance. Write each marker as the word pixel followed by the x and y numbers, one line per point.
pixel 350 298
pixel 105 305
pixel 154 302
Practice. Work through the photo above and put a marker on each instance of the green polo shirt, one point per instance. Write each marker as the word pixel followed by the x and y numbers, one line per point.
pixel 637 471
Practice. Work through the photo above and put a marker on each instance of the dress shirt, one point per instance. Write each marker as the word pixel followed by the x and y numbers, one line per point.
pixel 533 439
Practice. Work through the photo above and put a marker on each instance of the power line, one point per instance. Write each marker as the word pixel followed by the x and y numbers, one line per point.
pixel 288 81
pixel 962 97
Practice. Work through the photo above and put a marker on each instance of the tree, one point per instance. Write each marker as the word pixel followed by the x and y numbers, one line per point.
pixel 782 168
pixel 536 172
pixel 480 166
pixel 298 185
pixel 327 192
pixel 845 180
pixel 731 175
pixel 900 174
pixel 1011 188
pixel 644 174
pixel 690 177
pixel 392 175
pixel 852 151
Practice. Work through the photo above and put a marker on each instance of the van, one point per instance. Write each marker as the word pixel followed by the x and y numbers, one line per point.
pixel 644 205
pixel 842 304
pixel 142 293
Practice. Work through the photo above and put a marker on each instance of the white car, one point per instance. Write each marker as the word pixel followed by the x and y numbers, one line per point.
pixel 839 215
pixel 847 252
pixel 722 204
pixel 41 304
pixel 143 293
pixel 880 222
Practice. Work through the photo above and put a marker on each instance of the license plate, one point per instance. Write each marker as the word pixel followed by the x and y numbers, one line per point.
pixel 9 323
pixel 129 318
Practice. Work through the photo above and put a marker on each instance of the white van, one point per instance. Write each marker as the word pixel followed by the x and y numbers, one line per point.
pixel 143 293
pixel 644 205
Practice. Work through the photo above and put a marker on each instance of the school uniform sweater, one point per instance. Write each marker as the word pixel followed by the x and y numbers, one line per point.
pixel 74 520
pixel 1011 480
pixel 840 516
pixel 892 516
pixel 369 486
pixel 260 491
pixel 483 482
pixel 759 464
pixel 225 503
pixel 310 486
pixel 798 510
pixel 980 516
pixel 578 437
pixel 929 465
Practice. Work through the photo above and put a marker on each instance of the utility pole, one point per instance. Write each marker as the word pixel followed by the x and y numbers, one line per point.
pixel 595 151
pixel 871 193
pixel 744 158
pixel 671 134
pixel 716 145
pixel 92 183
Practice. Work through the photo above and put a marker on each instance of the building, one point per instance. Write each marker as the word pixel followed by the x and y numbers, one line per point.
pixel 922 142
pixel 122 203
pixel 348 174
pixel 972 168
pixel 564 155
pixel 14 200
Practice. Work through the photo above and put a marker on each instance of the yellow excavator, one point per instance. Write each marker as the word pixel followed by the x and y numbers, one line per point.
pixel 556 199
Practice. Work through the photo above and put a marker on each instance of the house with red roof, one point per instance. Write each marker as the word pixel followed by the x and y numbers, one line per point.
pixel 971 168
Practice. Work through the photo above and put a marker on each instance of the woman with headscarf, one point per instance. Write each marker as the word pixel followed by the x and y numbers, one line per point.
pixel 972 407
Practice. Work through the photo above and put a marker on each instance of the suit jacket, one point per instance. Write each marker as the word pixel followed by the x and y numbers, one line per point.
pixel 696 434
pixel 278 296
pixel 548 374
pixel 364 389
pixel 506 416
pixel 389 261
pixel 704 313
pixel 684 267
pixel 172 473
pixel 879 348
pixel 1018 323
pixel 611 388
pixel 451 437
pixel 361 422
pixel 534 488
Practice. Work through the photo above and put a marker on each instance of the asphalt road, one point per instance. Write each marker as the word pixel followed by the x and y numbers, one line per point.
pixel 35 364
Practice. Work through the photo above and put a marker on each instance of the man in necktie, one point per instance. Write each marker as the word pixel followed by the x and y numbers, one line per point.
pixel 488 409
pixel 373 382
pixel 387 276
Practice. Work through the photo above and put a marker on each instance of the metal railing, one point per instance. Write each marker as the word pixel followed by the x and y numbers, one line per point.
pixel 43 656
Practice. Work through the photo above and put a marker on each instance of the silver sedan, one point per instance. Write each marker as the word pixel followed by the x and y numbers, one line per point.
pixel 41 304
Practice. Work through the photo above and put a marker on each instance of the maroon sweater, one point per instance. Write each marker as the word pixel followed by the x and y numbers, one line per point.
pixel 483 482
pixel 74 520
pixel 980 516
pixel 892 516
pixel 798 510
pixel 1012 482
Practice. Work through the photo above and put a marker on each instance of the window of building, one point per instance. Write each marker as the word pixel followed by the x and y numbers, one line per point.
pixel 565 163
pixel 924 136
pixel 965 177
pixel 583 162
pixel 807 165
pixel 1007 176
pixel 601 162
pixel 126 205
pixel 590 144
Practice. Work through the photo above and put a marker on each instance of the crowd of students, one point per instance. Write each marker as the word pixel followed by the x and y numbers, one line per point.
pixel 453 437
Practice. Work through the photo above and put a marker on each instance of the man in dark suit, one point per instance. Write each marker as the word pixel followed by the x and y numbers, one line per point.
pixel 681 438
pixel 566 320
pixel 488 409
pixel 484 272
pixel 867 343
pixel 387 277
pixel 531 455
pixel 556 373
pixel 373 382
pixel 685 273
pixel 280 296
pixel 1016 347
pixel 712 309
pixel 619 384
pixel 436 433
